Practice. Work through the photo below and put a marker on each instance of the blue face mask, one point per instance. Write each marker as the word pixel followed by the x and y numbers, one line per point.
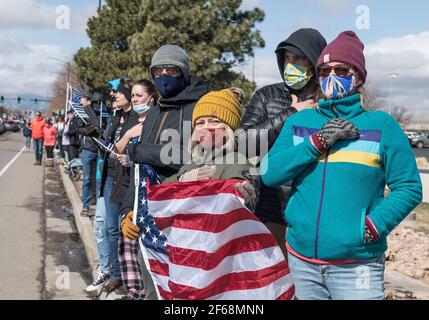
pixel 141 109
pixel 169 86
pixel 335 87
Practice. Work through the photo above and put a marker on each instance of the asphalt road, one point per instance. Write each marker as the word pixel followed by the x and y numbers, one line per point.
pixel 424 152
pixel 41 256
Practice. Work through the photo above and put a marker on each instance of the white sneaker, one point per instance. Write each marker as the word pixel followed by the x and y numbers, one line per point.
pixel 101 279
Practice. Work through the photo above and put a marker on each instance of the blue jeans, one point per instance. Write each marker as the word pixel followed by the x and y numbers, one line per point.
pixel 38 149
pixel 89 164
pixel 101 235
pixel 113 221
pixel 360 281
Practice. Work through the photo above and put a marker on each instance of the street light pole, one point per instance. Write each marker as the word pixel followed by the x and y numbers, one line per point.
pixel 392 76
pixel 67 63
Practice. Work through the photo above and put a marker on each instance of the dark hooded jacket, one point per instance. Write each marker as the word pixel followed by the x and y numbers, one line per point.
pixel 169 114
pixel 121 175
pixel 270 108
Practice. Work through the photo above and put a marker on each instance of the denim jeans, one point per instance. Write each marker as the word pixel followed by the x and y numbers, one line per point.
pixel 360 281
pixel 89 163
pixel 28 142
pixel 38 149
pixel 101 235
pixel 113 221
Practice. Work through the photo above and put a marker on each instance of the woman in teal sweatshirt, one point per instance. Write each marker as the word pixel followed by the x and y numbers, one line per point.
pixel 340 156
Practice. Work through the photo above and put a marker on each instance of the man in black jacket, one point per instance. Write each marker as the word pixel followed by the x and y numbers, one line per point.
pixel 73 135
pixel 179 94
pixel 89 157
pixel 270 108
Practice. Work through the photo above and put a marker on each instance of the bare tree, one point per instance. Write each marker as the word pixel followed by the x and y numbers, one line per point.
pixel 401 115
pixel 375 100
pixel 59 87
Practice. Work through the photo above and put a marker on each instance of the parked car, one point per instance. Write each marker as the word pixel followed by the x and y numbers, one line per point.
pixel 12 126
pixel 420 141
pixel 2 127
pixel 411 135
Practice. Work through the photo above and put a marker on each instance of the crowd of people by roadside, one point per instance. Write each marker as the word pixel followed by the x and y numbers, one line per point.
pixel 45 134
pixel 321 187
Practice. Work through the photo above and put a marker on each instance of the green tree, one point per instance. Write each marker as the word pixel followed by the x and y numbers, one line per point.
pixel 216 33
pixel 109 55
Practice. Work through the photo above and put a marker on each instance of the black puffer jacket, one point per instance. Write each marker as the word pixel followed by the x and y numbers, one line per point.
pixel 267 112
pixel 169 114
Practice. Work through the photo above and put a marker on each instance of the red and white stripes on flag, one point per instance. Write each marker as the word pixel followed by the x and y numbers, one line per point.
pixel 216 248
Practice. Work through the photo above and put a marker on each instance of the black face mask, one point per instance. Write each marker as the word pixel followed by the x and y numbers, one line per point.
pixel 169 86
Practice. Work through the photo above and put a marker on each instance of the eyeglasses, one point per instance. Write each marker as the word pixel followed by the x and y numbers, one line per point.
pixel 340 70
pixel 171 70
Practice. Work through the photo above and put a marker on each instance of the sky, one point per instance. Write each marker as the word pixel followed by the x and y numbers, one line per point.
pixel 396 37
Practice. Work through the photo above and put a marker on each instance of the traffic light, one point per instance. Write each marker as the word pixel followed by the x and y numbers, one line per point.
pixel 18 100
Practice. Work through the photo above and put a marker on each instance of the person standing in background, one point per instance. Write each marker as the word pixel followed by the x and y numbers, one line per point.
pixel 49 140
pixel 37 126
pixel 26 131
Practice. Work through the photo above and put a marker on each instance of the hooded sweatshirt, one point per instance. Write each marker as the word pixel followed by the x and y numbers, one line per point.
pixel 169 116
pixel 270 108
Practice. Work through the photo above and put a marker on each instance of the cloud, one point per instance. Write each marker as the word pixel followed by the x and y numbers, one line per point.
pixel 32 14
pixel 333 7
pixel 407 55
pixel 266 70
pixel 25 68
pixel 249 4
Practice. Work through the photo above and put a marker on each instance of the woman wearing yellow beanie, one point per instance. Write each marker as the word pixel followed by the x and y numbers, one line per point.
pixel 212 146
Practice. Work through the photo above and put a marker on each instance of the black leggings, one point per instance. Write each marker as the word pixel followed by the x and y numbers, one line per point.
pixel 50 152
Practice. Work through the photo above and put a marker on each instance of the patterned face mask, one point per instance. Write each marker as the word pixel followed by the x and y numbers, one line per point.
pixel 296 77
pixel 335 87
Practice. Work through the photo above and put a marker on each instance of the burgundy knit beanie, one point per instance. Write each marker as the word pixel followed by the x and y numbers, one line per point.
pixel 346 48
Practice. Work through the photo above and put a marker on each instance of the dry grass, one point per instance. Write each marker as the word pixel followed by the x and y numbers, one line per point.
pixel 419 220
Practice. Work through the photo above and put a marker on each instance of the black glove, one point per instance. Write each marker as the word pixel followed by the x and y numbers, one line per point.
pixel 91 131
pixel 332 131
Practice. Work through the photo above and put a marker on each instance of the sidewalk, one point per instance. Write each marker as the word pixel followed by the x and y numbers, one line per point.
pixel 85 229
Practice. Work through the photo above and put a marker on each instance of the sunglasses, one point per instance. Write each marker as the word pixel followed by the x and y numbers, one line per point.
pixel 171 70
pixel 340 70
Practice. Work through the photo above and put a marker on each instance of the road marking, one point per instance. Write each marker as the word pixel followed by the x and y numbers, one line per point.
pixel 11 161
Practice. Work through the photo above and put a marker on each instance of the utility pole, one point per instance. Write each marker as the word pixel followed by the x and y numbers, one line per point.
pixel 253 71
pixel 392 76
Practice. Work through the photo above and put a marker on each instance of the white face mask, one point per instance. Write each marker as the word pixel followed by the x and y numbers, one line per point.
pixel 142 108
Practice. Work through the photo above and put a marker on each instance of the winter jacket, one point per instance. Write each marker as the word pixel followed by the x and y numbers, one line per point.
pixel 37 126
pixel 334 194
pixel 87 143
pixel 121 179
pixel 231 168
pixel 170 113
pixel 73 132
pixel 264 117
pixel 49 136
pixel 26 131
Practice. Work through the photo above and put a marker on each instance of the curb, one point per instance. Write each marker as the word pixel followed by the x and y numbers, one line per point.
pixel 83 224
pixel 398 281
pixel 86 232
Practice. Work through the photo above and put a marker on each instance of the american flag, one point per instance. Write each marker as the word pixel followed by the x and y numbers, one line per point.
pixel 200 242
